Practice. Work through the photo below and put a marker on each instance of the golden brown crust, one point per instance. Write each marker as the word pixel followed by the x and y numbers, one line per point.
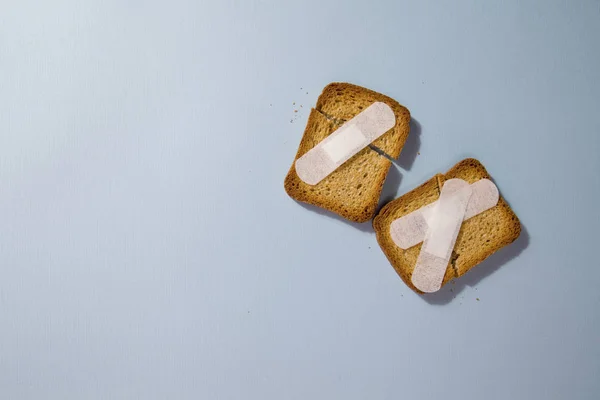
pixel 352 190
pixel 343 101
pixel 478 238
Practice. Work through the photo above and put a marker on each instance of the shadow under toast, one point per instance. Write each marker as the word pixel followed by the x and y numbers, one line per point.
pixel 405 162
pixel 409 152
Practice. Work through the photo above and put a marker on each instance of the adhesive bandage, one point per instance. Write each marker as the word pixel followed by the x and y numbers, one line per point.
pixel 410 230
pixel 345 142
pixel 443 226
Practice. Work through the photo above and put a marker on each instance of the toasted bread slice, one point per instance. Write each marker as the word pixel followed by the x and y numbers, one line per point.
pixel 352 190
pixel 479 237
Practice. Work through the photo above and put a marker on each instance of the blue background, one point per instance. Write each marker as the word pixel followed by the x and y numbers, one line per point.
pixel 148 249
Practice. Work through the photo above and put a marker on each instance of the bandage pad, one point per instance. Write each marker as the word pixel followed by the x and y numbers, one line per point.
pixel 345 142
pixel 410 230
pixel 444 224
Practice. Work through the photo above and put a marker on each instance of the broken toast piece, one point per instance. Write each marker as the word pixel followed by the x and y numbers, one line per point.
pixel 478 238
pixel 353 189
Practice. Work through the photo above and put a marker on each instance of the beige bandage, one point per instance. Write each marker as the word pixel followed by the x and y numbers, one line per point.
pixel 443 226
pixel 409 230
pixel 345 142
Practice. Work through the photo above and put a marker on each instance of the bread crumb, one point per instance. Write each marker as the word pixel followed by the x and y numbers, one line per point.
pixel 418 153
pixel 295 110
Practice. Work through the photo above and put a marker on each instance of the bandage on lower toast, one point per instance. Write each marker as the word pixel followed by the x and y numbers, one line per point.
pixel 478 238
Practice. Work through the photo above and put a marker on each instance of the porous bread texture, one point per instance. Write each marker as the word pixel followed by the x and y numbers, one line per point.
pixel 479 237
pixel 352 190
pixel 343 101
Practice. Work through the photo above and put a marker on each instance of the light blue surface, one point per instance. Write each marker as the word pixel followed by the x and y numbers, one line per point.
pixel 148 249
